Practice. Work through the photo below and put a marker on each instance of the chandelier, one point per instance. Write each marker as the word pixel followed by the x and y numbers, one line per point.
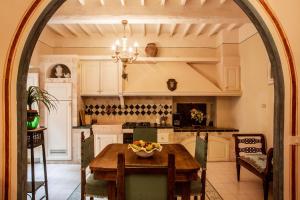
pixel 123 52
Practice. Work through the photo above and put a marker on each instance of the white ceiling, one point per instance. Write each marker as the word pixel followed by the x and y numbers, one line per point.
pixel 159 19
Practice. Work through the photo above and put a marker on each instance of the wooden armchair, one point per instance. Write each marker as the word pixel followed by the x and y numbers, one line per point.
pixel 90 186
pixel 198 186
pixel 137 185
pixel 251 153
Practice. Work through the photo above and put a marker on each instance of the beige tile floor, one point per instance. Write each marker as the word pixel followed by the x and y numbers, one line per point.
pixel 222 176
pixel 64 178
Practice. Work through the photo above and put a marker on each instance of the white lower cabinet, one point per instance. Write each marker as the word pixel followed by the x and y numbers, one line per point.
pixel 101 141
pixel 218 146
pixel 218 149
pixel 163 135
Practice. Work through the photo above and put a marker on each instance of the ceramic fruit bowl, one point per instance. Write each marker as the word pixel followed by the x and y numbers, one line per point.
pixel 144 149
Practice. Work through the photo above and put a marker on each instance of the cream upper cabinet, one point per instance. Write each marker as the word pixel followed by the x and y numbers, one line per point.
pixel 232 78
pixel 109 81
pixel 99 78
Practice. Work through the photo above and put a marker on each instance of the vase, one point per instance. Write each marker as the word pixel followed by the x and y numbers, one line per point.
pixel 33 119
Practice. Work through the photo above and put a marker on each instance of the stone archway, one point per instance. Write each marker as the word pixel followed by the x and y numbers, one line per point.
pixel 24 65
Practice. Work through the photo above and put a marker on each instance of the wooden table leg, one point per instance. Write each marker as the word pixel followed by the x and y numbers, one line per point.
pixel 186 190
pixel 112 190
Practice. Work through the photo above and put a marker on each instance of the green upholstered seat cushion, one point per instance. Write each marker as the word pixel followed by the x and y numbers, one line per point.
pixel 146 187
pixel 97 188
pixel 258 161
pixel 196 187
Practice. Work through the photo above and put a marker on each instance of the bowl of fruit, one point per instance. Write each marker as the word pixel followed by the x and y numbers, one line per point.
pixel 144 149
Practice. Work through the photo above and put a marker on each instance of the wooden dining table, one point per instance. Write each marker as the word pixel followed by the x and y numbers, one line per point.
pixel 104 165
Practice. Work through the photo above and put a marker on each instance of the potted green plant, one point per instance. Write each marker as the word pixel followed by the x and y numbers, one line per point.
pixel 38 95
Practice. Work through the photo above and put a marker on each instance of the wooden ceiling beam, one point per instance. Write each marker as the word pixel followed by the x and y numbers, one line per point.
pixel 129 29
pixel 200 29
pixel 99 29
pixel 82 2
pixel 85 29
pixel 143 19
pixel 122 2
pixel 216 29
pixel 144 29
pixel 163 2
pixel 202 2
pixel 222 2
pixel 231 27
pixel 173 29
pixel 158 30
pixel 114 29
pixel 186 30
pixel 102 3
pixel 56 30
pixel 71 30
pixel 183 2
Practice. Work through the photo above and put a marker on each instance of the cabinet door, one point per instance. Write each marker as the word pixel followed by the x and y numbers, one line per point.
pixel 218 149
pixel 58 137
pixel 102 141
pixel 90 78
pixel 109 80
pixel 232 78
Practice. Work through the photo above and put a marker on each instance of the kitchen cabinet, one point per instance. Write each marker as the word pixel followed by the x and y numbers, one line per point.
pixel 101 141
pixel 58 122
pixel 163 135
pixel 99 78
pixel 105 135
pixel 218 145
pixel 232 78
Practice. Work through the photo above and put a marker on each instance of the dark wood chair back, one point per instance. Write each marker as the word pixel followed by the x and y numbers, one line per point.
pixel 87 155
pixel 146 134
pixel 249 143
pixel 201 157
pixel 142 185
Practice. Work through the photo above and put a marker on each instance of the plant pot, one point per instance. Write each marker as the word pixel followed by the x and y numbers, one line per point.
pixel 33 119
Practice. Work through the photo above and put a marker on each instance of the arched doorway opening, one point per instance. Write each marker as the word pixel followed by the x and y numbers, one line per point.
pixel 273 55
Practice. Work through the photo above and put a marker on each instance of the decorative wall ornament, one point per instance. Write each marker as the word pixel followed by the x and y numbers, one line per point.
pixel 172 84
pixel 151 50
pixel 60 71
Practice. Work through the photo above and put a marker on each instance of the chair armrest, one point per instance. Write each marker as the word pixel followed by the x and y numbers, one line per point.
pixel 269 165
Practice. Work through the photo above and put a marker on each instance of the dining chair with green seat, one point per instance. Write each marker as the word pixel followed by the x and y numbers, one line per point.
pixel 198 187
pixel 137 185
pixel 146 134
pixel 90 186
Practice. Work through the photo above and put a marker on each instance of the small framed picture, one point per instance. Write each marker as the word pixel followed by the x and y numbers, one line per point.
pixel 270 75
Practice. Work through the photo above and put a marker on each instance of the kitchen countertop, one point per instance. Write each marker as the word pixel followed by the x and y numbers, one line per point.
pixel 185 129
pixel 204 129
pixel 82 127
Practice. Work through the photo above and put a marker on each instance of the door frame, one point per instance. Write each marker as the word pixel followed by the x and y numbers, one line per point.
pixel 245 5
